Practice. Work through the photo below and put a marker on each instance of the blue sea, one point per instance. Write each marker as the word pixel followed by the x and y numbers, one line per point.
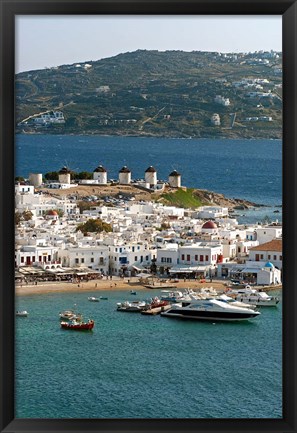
pixel 247 169
pixel 135 366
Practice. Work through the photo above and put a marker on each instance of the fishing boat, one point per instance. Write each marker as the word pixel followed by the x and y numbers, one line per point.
pixel 156 302
pixel 133 292
pixel 103 297
pixel 22 313
pixel 76 325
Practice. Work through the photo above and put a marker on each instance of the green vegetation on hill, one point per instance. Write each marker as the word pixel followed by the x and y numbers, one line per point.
pixel 152 93
pixel 181 198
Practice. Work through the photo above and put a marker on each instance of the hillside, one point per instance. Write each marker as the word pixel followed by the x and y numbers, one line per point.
pixel 152 93
pixel 182 197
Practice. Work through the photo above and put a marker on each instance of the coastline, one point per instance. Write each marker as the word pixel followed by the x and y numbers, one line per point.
pixel 115 285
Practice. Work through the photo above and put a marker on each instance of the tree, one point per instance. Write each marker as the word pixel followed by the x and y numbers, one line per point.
pixel 83 175
pixel 52 175
pixel 19 179
pixel 94 226
pixel 26 215
pixel 17 218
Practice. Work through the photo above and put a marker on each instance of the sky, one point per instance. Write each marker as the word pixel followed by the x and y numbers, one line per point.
pixel 53 40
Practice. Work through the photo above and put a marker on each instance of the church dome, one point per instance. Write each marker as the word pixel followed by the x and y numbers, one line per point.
pixel 209 225
pixel 52 212
pixel 269 265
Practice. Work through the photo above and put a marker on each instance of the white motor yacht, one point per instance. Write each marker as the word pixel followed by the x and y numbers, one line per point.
pixel 171 295
pixel 233 301
pixel 210 309
pixel 249 295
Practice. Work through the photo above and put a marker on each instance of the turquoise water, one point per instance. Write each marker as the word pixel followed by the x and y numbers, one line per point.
pixel 136 366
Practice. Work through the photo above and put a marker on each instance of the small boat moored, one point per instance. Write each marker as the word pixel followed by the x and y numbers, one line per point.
pixel 93 299
pixel 23 313
pixel 76 325
pixel 132 307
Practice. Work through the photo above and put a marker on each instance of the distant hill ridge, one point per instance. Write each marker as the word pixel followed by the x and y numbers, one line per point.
pixel 162 94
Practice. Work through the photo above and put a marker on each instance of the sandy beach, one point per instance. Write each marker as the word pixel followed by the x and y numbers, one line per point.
pixel 116 284
pixel 100 285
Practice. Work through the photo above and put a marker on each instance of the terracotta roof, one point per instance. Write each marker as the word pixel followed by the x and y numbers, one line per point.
pixel 274 245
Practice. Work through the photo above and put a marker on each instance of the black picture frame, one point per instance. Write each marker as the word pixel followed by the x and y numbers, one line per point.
pixel 288 10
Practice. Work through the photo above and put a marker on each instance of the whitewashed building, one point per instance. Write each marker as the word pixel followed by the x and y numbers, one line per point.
pixel 32 255
pixel 269 252
pixel 130 257
pixel 95 257
pixel 267 234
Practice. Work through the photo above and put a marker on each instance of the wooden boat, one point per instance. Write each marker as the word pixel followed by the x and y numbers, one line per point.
pixel 78 326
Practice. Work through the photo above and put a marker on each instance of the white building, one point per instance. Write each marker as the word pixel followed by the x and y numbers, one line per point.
pixel 267 234
pixel 221 100
pixel 269 252
pixel 23 189
pixel 251 272
pixel 215 119
pixel 167 256
pixel 212 212
pixel 130 257
pixel 200 254
pixel 29 255
pixel 95 257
